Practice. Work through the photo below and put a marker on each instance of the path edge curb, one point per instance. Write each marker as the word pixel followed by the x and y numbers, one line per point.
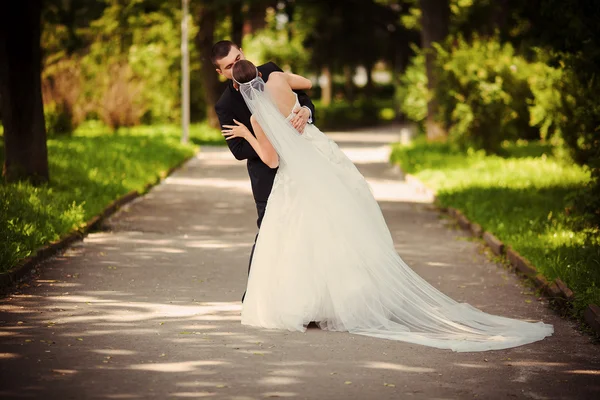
pixel 29 264
pixel 556 290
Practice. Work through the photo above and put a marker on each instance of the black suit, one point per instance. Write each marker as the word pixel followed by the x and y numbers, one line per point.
pixel 231 106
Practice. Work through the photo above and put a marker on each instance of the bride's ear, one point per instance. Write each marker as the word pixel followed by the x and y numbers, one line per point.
pixel 260 74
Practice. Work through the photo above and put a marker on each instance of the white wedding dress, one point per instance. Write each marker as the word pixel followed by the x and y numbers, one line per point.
pixel 324 253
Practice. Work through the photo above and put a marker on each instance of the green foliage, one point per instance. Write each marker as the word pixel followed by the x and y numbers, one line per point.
pixel 275 43
pixel 122 66
pixel 341 114
pixel 523 199
pixel 32 216
pixel 483 93
pixel 412 93
pixel 58 118
pixel 89 170
pixel 61 90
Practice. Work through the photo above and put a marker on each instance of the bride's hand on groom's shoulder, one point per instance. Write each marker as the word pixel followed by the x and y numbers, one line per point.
pixel 237 130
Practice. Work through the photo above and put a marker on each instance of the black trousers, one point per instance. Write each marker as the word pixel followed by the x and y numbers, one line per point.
pixel 260 210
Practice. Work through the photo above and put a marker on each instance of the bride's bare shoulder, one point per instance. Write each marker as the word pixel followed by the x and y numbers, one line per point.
pixel 276 77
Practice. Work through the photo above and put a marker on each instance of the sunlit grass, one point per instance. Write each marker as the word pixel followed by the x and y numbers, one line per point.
pixel 522 198
pixel 88 170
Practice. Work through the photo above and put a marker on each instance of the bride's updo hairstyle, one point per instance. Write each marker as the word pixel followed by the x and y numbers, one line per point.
pixel 244 71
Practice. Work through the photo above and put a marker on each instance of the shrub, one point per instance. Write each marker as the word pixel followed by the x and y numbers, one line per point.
pixel 343 114
pixel 120 103
pixel 61 91
pixel 483 93
pixel 412 93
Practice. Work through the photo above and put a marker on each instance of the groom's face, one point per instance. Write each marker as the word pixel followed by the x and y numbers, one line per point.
pixel 226 63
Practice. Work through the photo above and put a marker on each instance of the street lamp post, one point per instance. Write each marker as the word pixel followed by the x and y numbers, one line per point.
pixel 185 74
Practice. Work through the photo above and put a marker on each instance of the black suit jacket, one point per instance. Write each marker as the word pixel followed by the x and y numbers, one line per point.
pixel 231 106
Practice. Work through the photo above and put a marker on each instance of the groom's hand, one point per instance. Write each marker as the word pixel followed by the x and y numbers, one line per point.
pixel 300 120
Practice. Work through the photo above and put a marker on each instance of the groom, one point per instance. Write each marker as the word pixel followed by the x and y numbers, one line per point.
pixel 231 106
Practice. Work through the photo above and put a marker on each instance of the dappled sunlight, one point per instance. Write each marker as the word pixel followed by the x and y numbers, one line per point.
pixel 396 191
pixel 293 363
pixel 439 264
pixel 240 185
pixel 184 366
pixel 540 364
pixel 398 367
pixel 369 137
pixel 193 395
pixel 167 250
pixel 6 356
pixel 467 365
pixel 221 162
pixel 122 310
pixel 368 155
pixel 213 244
pixel 154 301
pixel 114 352
pixel 278 380
pixel 585 372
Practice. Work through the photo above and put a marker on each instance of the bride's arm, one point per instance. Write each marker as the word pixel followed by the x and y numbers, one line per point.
pixel 297 82
pixel 260 143
pixel 263 146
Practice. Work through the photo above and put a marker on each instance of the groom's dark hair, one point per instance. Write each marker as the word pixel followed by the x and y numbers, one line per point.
pixel 220 50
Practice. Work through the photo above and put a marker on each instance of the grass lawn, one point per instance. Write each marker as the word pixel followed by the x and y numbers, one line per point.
pixel 522 198
pixel 87 171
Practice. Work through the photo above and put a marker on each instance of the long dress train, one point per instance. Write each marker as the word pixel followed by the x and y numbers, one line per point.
pixel 324 253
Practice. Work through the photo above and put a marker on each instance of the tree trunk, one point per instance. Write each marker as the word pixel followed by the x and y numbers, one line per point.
pixel 26 155
pixel 369 85
pixel 255 18
pixel 434 20
pixel 327 88
pixel 204 42
pixel 237 23
pixel 349 83
pixel 289 10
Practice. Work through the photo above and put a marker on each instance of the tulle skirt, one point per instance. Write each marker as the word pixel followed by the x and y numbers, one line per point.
pixel 324 253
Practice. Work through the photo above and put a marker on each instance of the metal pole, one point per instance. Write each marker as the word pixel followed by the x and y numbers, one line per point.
pixel 185 74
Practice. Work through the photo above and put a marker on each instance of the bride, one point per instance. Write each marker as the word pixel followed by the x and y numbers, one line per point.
pixel 324 252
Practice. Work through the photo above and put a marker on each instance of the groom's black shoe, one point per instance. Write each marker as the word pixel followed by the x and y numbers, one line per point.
pixel 312 325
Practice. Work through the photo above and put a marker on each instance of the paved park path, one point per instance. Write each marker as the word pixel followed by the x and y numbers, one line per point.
pixel 149 308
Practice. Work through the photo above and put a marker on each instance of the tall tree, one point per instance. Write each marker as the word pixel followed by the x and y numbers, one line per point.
pixel 237 21
pixel 26 154
pixel 206 20
pixel 435 20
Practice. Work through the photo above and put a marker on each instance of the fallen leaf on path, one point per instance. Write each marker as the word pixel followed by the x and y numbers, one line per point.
pixel 389 385
pixel 348 383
